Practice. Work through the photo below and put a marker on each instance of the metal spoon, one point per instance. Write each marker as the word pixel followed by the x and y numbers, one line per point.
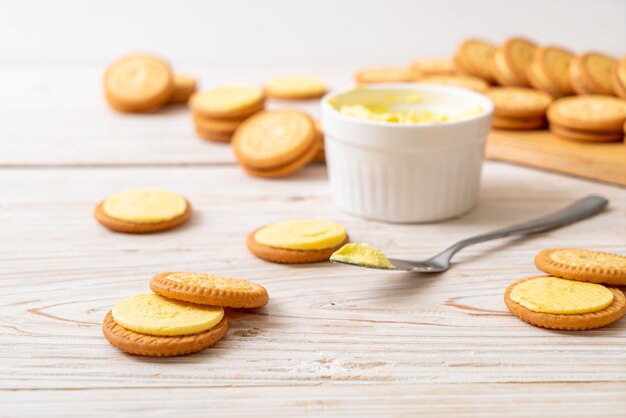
pixel 579 210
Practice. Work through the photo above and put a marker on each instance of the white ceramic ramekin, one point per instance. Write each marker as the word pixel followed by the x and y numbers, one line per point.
pixel 406 173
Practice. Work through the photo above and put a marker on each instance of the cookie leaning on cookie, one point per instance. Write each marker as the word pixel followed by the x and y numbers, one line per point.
pixel 185 314
pixel 619 79
pixel 473 57
pixel 591 73
pixel 585 265
pixel 297 241
pixel 140 211
pixel 549 71
pixel 511 61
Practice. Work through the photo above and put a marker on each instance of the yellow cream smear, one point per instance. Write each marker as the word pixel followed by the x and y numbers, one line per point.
pixel 155 315
pixel 145 205
pixel 362 254
pixel 560 296
pixel 588 259
pixel 306 234
pixel 229 98
pixel 404 109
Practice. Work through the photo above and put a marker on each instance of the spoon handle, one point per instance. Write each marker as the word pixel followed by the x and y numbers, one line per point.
pixel 577 211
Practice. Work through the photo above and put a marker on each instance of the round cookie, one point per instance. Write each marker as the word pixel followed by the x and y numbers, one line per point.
pixel 582 135
pixel 474 57
pixel 143 211
pixel 592 72
pixel 226 126
pixel 619 79
pixel 503 122
pixel 550 71
pixel 230 102
pixel 285 169
pixel 580 321
pixel 184 87
pixel 274 138
pixel 295 87
pixel 160 346
pixel 383 75
pixel 519 102
pixel 154 314
pixel 138 83
pixel 591 113
pixel 511 61
pixel 208 289
pixel 584 265
pixel 432 66
pixel 300 241
pixel 459 80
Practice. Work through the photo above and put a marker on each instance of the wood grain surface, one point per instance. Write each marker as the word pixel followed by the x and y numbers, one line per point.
pixel 593 160
pixel 333 341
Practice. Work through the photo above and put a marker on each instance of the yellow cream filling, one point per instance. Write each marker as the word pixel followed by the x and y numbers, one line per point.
pixel 145 205
pixel 297 84
pixel 362 254
pixel 560 296
pixel 155 315
pixel 306 234
pixel 403 109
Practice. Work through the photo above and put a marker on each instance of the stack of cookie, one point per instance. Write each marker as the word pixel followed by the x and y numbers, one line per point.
pixel 217 113
pixel 573 297
pixel 183 316
pixel 144 83
pixel 588 118
pixel 518 107
pixel 276 143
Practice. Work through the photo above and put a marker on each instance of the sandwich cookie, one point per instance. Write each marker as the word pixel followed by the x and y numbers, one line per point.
pixel 138 83
pixel 295 87
pixel 511 62
pixel 151 325
pixel 297 241
pixel 592 73
pixel 588 118
pixel 141 211
pixel 473 57
pixel 518 107
pixel 549 71
pixel 555 303
pixel 276 143
pixel 585 265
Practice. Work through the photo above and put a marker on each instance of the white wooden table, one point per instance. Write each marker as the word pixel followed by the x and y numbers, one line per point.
pixel 333 340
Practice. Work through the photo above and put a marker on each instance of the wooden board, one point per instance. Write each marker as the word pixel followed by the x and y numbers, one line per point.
pixel 596 161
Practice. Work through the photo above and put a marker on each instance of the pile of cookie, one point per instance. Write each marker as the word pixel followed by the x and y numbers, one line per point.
pixel 217 113
pixel 145 83
pixel 185 314
pixel 534 82
pixel 574 295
